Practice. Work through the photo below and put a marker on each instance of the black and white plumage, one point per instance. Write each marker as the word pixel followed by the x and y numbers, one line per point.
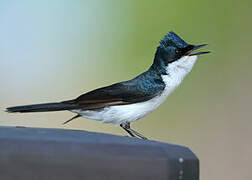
pixel 125 102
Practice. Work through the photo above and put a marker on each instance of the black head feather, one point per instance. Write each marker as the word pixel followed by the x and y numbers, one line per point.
pixel 172 39
pixel 171 48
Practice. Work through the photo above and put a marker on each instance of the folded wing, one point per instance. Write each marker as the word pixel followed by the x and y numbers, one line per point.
pixel 123 93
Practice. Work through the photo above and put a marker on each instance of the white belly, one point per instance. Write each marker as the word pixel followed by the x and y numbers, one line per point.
pixel 124 113
pixel 132 112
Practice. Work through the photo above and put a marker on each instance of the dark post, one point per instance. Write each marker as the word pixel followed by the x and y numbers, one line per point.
pixel 43 154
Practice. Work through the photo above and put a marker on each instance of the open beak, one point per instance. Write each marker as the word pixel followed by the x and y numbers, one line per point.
pixel 189 53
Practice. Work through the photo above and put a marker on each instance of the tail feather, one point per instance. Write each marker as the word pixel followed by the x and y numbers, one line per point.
pixel 42 107
pixel 72 119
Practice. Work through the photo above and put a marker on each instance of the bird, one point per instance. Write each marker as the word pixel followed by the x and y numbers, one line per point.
pixel 125 102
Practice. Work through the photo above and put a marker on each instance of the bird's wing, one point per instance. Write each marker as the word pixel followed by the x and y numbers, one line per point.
pixel 123 93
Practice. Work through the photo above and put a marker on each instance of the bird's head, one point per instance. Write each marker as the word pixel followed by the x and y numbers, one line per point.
pixel 174 52
pixel 172 48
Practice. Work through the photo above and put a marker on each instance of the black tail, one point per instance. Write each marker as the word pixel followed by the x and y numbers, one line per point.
pixel 42 107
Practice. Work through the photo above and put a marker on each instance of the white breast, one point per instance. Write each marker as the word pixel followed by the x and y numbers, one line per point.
pixel 128 113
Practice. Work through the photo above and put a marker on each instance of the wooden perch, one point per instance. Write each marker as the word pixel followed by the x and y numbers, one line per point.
pixel 59 154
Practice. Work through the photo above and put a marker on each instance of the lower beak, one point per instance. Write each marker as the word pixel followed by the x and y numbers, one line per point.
pixel 198 53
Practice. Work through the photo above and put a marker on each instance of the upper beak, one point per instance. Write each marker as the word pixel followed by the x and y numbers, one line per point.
pixel 197 53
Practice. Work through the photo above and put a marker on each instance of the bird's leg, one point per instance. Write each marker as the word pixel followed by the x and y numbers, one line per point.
pixel 133 133
pixel 126 129
pixel 138 134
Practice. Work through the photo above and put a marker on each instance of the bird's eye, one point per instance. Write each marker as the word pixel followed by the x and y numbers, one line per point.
pixel 177 51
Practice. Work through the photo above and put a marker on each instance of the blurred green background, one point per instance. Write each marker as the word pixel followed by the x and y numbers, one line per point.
pixel 55 50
